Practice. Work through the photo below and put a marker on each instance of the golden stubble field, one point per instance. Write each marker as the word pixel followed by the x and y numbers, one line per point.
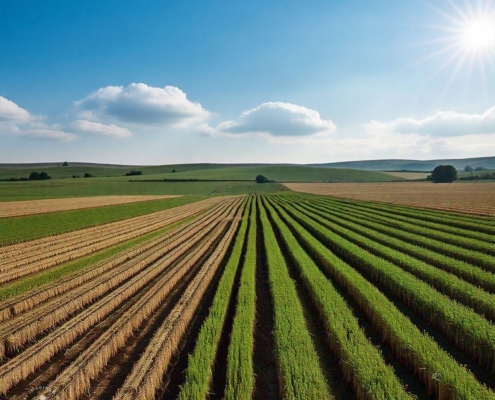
pixel 17 208
pixel 467 197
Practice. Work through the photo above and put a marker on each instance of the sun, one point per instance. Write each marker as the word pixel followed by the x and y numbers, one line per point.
pixel 479 35
pixel 467 40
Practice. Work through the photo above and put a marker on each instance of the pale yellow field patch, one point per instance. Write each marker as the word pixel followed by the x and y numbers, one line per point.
pixel 18 208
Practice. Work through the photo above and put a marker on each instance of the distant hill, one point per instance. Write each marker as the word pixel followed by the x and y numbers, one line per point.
pixel 279 173
pixel 411 165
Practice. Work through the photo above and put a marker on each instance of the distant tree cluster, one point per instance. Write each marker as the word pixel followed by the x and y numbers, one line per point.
pixel 443 174
pixel 65 164
pixel 132 173
pixel 88 175
pixel 262 179
pixel 478 177
pixel 39 176
pixel 75 176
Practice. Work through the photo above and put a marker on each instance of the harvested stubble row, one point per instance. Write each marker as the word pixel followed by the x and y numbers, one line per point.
pixel 380 245
pixel 438 371
pixel 74 380
pixel 35 356
pixel 19 330
pixel 25 302
pixel 49 243
pixel 46 243
pixel 15 268
pixel 201 362
pixel 469 331
pixel 146 375
pixel 18 208
pixel 361 363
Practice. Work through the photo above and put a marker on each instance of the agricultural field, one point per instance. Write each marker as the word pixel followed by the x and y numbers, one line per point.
pixel 468 197
pixel 272 294
pixel 17 208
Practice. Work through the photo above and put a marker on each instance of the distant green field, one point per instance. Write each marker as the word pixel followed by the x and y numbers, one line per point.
pixel 280 174
pixel 61 188
pixel 251 188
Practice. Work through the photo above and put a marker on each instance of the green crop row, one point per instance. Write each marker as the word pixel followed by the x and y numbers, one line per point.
pixel 299 372
pixel 470 332
pixel 415 220
pixel 466 271
pixel 479 259
pixel 439 234
pixel 456 220
pixel 240 377
pixel 440 373
pixel 386 247
pixel 361 363
pixel 201 362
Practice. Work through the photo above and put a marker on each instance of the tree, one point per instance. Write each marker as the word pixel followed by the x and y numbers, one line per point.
pixel 468 168
pixel 34 176
pixel 132 173
pixel 173 170
pixel 88 175
pixel 44 175
pixel 444 173
pixel 65 164
pixel 261 179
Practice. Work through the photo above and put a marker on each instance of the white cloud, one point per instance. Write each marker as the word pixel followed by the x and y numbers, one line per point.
pixel 44 134
pixel 11 112
pixel 96 128
pixel 139 103
pixel 278 119
pixel 443 123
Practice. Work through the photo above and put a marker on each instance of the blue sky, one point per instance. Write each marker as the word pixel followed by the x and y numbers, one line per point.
pixel 159 82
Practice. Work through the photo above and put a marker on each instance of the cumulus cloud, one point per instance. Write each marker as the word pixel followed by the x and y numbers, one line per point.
pixel 11 112
pixel 443 123
pixel 278 119
pixel 42 134
pixel 99 129
pixel 139 103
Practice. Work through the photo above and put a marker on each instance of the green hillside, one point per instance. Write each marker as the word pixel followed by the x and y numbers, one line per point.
pixel 280 174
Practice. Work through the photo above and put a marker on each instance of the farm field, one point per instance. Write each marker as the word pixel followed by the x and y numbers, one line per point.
pixel 275 294
pixel 468 197
pixel 17 208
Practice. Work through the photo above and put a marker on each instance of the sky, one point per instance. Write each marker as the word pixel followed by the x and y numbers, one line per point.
pixel 162 82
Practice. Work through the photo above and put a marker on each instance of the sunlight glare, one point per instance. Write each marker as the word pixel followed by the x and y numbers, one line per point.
pixel 479 34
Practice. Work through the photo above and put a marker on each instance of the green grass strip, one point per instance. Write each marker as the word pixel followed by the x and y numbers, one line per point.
pixel 30 227
pixel 469 331
pixel 299 370
pixel 361 363
pixel 441 374
pixel 240 376
pixel 201 362
pixel 47 276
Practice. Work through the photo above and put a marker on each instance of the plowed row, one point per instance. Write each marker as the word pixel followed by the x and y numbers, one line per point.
pixel 27 258
pixel 130 291
pixel 472 198
pixel 18 208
